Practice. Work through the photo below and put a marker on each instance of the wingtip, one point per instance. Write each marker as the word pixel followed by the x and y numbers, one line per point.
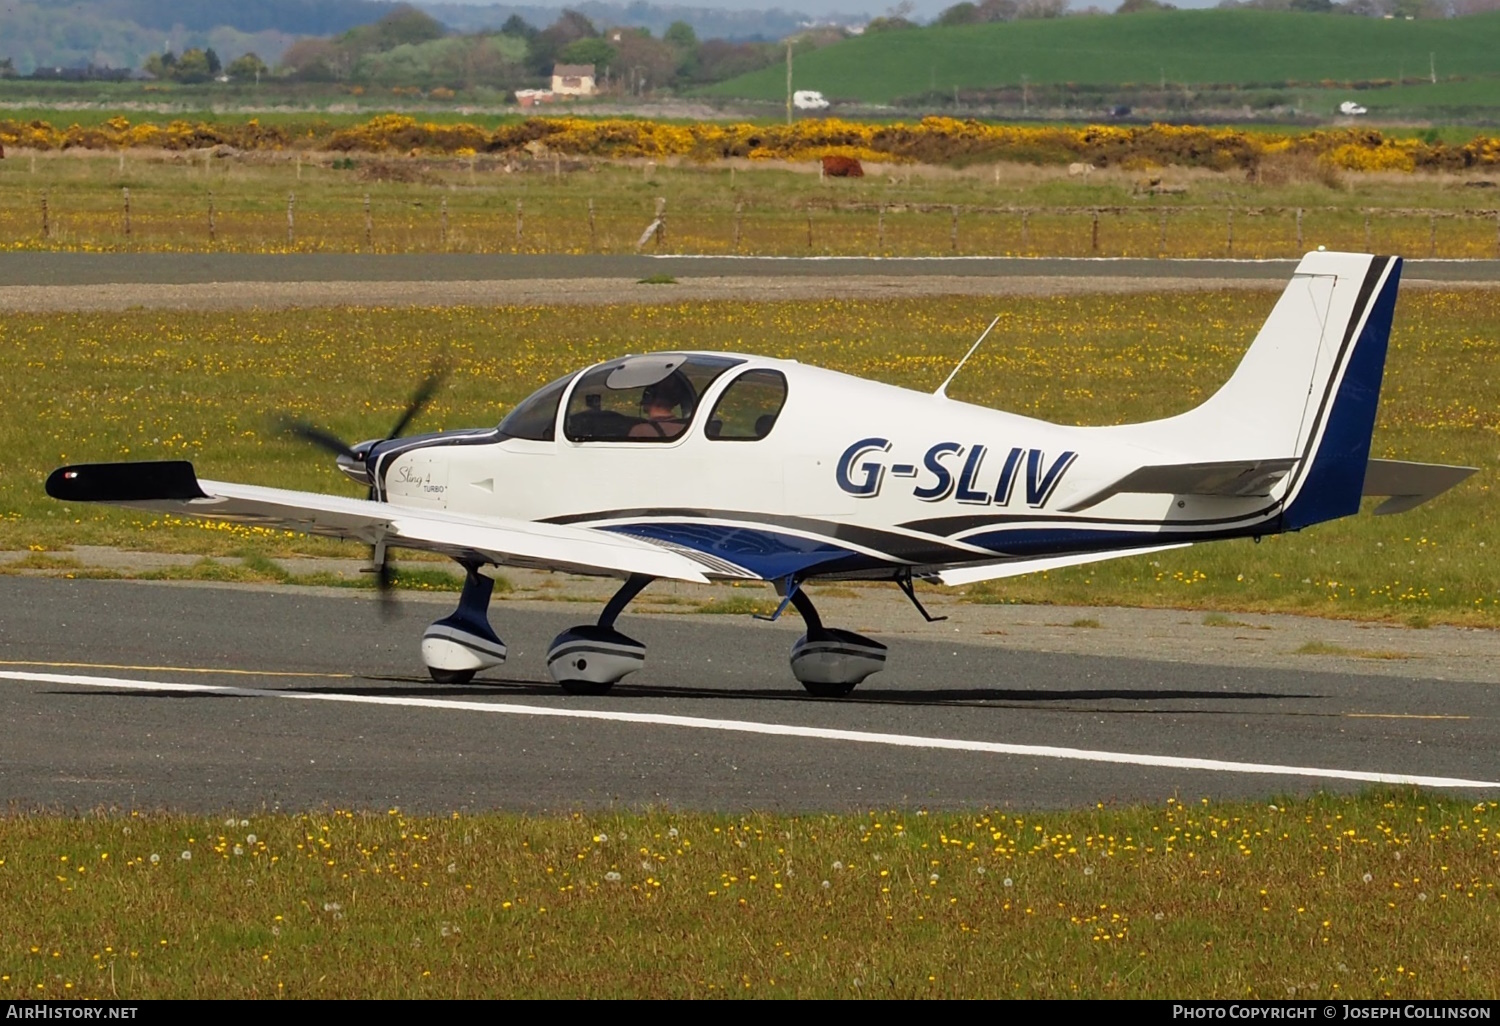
pixel 125 482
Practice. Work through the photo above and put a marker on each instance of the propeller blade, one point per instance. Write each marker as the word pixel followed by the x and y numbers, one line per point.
pixel 385 581
pixel 317 436
pixel 420 399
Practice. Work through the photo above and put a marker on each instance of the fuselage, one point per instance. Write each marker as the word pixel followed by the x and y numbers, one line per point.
pixel 854 477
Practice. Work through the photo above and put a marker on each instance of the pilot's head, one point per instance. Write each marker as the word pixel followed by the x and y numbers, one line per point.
pixel 669 397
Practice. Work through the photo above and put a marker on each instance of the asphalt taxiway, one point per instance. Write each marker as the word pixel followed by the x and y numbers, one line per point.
pixel 146 696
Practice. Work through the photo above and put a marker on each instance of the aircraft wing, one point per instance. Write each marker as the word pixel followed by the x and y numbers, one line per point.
pixel 1018 567
pixel 173 487
pixel 1409 484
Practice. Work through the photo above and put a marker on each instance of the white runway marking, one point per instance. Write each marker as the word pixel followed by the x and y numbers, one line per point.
pixel 776 729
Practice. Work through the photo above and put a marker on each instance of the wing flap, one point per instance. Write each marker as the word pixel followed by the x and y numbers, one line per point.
pixel 1409 484
pixel 1229 478
pixel 175 488
pixel 1019 567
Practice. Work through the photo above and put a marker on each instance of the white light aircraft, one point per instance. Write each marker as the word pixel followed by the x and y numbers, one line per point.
pixel 699 466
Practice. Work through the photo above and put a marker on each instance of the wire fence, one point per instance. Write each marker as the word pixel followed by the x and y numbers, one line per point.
pixel 484 222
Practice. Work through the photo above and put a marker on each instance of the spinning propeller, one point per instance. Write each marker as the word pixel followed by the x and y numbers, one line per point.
pixel 356 461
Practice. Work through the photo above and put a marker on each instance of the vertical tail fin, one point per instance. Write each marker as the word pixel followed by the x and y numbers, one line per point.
pixel 1309 385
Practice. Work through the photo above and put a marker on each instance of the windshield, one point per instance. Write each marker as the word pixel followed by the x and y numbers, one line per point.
pixel 641 398
pixel 536 417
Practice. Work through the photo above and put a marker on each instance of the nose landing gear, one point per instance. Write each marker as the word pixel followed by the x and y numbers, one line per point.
pixel 589 659
pixel 463 643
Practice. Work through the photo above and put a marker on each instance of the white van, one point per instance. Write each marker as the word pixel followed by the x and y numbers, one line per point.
pixel 809 99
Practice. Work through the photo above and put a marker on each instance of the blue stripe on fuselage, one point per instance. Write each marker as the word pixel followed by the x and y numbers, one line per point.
pixel 769 554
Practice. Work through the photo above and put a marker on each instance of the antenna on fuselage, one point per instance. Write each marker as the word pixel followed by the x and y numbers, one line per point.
pixel 942 390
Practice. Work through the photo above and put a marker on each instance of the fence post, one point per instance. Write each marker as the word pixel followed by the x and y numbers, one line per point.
pixel 126 190
pixel 1299 231
pixel 46 217
pixel 1025 230
pixel 1161 241
pixel 369 225
pixel 880 229
pixel 808 211
pixel 661 221
pixel 738 213
pixel 1368 246
pixel 444 216
pixel 212 233
pixel 1094 235
pixel 1432 235
pixel 593 234
pixel 519 223
pixel 953 232
pixel 291 234
pixel 1229 242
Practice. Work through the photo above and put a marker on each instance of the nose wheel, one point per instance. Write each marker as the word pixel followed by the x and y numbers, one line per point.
pixel 461 644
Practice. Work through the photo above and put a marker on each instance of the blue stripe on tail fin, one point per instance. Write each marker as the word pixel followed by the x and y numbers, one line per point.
pixel 1334 481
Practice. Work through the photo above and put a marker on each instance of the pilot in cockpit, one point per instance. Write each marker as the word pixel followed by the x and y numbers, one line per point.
pixel 666 408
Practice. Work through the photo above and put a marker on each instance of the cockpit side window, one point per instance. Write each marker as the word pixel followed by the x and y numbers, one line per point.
pixel 641 398
pixel 536 417
pixel 748 409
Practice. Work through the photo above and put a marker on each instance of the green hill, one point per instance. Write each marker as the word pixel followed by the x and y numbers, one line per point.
pixel 1193 47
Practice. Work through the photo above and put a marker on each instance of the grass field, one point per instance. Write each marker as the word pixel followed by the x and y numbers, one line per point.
pixel 447 204
pixel 161 385
pixel 1184 47
pixel 1388 895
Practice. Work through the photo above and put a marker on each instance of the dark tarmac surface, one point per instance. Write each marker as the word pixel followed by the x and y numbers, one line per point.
pixel 300 729
pixel 202 268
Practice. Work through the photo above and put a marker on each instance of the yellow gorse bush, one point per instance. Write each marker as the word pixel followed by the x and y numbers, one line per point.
pixel 932 140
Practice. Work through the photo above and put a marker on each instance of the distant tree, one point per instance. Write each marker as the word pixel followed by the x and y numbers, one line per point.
pixel 963 13
pixel 404 25
pixel 549 43
pixel 999 10
pixel 313 60
pixel 214 64
pixel 588 51
pixel 893 23
pixel 643 64
pixel 519 27
pixel 1136 6
pixel 681 35
pixel 192 67
pixel 160 65
pixel 247 67
pixel 1042 9
pixel 719 59
pixel 7 68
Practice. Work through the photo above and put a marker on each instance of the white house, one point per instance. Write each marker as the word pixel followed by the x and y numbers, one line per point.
pixel 573 79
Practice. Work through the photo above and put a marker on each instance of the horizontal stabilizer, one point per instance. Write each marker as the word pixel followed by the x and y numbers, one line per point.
pixel 1409 484
pixel 1232 478
pixel 1019 567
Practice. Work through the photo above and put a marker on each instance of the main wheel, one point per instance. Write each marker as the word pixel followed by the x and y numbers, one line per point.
pixel 451 676
pixel 824 690
pixel 586 687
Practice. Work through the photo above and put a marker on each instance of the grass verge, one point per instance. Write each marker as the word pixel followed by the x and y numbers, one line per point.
pixel 1384 895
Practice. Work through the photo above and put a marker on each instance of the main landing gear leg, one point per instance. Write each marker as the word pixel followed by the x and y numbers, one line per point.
pixel 589 659
pixel 830 662
pixel 463 643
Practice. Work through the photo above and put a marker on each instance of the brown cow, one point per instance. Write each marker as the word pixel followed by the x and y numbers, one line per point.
pixel 842 167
